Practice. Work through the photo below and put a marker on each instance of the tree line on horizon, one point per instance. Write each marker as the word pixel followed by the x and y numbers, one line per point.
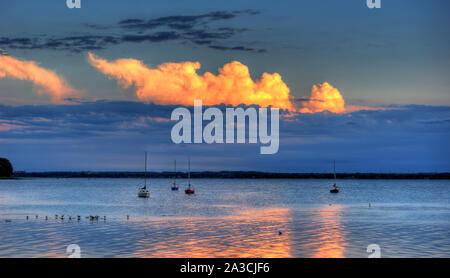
pixel 6 169
pixel 232 175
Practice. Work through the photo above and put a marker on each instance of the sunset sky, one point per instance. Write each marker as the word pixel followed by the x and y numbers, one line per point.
pixel 93 88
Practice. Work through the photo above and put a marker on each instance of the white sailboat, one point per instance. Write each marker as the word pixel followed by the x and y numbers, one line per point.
pixel 335 189
pixel 143 192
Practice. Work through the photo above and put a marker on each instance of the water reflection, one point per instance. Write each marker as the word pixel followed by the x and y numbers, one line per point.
pixel 251 233
pixel 218 222
pixel 329 235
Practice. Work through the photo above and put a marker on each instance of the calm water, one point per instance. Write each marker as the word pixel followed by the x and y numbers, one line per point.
pixel 225 218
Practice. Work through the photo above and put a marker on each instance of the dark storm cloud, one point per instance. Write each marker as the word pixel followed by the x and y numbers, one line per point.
pixel 157 37
pixel 114 113
pixel 238 48
pixel 84 119
pixel 194 29
pixel 181 22
pixel 71 43
pixel 401 138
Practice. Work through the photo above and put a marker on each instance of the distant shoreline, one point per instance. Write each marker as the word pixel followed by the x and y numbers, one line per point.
pixel 234 175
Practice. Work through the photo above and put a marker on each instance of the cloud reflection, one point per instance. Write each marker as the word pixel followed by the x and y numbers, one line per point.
pixel 249 234
pixel 330 234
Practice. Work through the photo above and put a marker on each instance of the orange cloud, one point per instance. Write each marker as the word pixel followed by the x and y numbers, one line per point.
pixel 179 83
pixel 324 97
pixel 46 81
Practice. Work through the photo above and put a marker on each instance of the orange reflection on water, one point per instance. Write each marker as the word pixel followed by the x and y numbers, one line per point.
pixel 330 236
pixel 251 233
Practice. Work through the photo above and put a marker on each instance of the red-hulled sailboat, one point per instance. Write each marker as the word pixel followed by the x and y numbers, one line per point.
pixel 189 190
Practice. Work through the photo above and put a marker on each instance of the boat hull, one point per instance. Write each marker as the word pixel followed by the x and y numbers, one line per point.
pixel 144 195
pixel 334 191
pixel 189 191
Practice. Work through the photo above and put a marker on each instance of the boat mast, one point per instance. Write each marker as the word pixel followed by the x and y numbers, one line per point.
pixel 189 172
pixel 175 173
pixel 335 171
pixel 145 172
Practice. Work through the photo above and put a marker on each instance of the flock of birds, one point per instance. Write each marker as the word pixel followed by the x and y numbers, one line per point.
pixel 70 218
pixel 92 218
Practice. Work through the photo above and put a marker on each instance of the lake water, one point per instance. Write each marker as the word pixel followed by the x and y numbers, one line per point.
pixel 225 218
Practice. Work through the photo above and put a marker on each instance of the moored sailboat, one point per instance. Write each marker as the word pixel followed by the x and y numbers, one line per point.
pixel 335 189
pixel 143 192
pixel 189 190
pixel 174 185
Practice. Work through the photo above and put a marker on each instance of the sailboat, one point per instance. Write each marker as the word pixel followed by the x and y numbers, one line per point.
pixel 335 189
pixel 174 186
pixel 143 192
pixel 189 190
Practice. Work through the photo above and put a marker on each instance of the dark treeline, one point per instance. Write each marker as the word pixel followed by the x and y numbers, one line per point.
pixel 232 175
pixel 6 169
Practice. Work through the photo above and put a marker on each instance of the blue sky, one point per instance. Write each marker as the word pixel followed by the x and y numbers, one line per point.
pixel 395 57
